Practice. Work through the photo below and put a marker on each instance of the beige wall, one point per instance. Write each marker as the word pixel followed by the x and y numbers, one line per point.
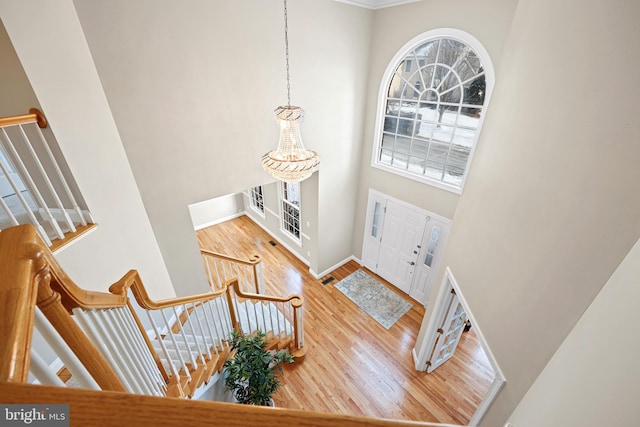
pixel 271 221
pixel 48 39
pixel 213 211
pixel 192 86
pixel 393 27
pixel 593 379
pixel 552 205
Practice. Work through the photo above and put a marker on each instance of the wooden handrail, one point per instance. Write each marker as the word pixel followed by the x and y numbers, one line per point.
pixel 295 299
pixel 90 408
pixel 252 261
pixel 132 280
pixel 34 116
pixel 18 292
pixel 28 264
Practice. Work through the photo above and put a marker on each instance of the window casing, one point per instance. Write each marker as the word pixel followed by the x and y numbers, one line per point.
pixel 431 105
pixel 290 210
pixel 257 199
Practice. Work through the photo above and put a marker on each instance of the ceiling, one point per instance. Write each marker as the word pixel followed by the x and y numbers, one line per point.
pixel 376 4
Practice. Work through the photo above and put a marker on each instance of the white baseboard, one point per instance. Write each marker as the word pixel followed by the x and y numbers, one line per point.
pixel 218 221
pixel 330 269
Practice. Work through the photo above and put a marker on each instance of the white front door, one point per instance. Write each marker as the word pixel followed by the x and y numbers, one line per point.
pixel 449 333
pixel 400 244
pixel 403 244
pixel 434 239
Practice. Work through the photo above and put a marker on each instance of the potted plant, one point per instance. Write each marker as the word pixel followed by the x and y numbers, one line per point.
pixel 251 374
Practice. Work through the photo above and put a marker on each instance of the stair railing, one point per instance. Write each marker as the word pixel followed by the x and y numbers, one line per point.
pixel 221 268
pixel 36 186
pixel 280 318
pixel 98 336
pixel 189 334
pixel 31 278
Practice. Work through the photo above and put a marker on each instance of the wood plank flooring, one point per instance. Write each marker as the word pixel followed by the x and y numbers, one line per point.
pixel 353 365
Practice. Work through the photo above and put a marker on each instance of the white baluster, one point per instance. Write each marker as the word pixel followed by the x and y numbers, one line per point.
pixel 63 182
pixel 183 364
pixel 170 361
pixel 96 336
pixel 105 319
pixel 35 191
pixel 62 350
pixel 220 281
pixel 202 331
pixel 145 359
pixel 23 171
pixel 210 325
pixel 42 371
pixel 199 349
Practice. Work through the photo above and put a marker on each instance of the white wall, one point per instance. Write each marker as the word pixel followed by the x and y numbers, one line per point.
pixel 593 379
pixel 210 212
pixel 192 86
pixel 488 21
pixel 48 40
pixel 552 205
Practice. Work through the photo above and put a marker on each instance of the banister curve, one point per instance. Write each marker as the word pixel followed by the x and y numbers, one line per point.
pixel 255 259
pixel 133 281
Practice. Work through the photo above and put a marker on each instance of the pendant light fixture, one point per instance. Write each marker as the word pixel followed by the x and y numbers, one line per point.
pixel 291 162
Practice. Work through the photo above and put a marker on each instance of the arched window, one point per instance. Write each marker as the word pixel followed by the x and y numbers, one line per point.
pixel 433 97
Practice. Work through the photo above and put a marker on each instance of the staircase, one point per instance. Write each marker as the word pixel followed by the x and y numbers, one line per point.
pixel 161 348
pixel 128 355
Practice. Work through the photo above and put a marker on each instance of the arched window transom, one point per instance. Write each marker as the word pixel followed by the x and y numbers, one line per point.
pixel 432 110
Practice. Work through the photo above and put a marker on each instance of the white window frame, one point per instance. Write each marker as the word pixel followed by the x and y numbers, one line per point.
pixel 449 33
pixel 286 204
pixel 256 200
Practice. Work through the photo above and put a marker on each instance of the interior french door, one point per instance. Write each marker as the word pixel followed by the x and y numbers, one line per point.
pixel 449 333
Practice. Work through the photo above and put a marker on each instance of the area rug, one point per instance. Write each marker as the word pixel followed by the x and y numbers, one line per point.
pixel 378 301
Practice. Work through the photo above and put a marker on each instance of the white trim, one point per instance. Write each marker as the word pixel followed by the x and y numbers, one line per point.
pixel 248 194
pixel 409 206
pixel 218 221
pixel 76 239
pixel 281 200
pixel 422 354
pixel 451 33
pixel 336 266
pixel 376 4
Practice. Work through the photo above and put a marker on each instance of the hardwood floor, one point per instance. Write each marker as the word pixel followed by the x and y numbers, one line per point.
pixel 353 365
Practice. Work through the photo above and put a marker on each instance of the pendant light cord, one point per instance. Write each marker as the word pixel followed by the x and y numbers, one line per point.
pixel 286 47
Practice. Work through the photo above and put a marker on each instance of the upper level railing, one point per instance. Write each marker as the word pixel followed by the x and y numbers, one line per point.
pixel 36 186
pixel 90 408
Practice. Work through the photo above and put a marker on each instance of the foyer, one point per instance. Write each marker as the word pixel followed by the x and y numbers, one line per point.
pixel 353 365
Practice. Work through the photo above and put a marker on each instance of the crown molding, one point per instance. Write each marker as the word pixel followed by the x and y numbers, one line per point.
pixel 376 4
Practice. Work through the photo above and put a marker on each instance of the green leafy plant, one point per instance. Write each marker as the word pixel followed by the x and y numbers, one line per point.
pixel 251 374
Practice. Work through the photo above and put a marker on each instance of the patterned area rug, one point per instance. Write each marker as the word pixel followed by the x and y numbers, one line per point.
pixel 381 303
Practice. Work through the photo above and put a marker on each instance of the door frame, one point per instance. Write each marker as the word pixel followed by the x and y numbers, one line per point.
pixel 421 355
pixel 375 194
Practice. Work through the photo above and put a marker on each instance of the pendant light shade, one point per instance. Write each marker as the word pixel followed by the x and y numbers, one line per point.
pixel 290 162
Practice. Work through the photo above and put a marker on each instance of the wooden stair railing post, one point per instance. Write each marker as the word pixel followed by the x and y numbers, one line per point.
pixel 18 294
pixel 296 304
pixel 50 303
pixel 231 286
